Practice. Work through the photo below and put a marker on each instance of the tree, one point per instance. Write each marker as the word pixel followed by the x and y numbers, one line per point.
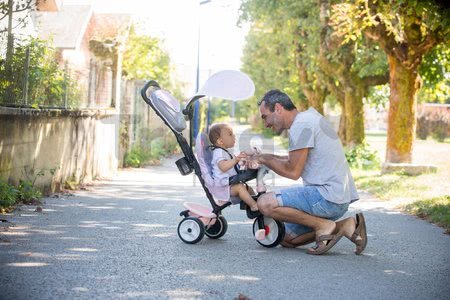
pixel 406 30
pixel 280 49
pixel 8 8
pixel 355 67
pixel 322 65
pixel 269 61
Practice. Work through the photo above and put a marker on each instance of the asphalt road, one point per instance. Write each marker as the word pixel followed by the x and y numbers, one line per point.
pixel 118 240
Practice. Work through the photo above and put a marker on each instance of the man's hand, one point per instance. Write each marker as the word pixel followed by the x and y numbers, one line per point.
pixel 290 166
pixel 252 161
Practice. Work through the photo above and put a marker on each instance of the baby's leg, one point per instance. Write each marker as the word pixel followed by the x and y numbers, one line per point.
pixel 241 191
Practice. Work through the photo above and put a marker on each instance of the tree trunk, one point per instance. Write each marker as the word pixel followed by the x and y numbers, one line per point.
pixel 354 116
pixel 315 98
pixel 404 85
pixel 342 123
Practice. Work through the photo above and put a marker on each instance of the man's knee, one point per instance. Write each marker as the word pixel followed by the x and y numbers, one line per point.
pixel 266 203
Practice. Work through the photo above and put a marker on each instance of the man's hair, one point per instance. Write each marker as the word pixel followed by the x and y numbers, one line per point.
pixel 214 132
pixel 273 97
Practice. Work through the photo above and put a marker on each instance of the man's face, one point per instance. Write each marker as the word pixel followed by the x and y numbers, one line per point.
pixel 272 119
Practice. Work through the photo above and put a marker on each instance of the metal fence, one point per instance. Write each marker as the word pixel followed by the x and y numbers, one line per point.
pixel 29 79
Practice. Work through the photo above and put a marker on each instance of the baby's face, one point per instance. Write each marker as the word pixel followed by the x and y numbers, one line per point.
pixel 227 137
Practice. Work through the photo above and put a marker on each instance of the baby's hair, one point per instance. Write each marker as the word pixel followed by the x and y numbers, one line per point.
pixel 214 132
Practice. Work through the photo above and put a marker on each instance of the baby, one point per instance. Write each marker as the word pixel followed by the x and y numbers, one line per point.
pixel 225 164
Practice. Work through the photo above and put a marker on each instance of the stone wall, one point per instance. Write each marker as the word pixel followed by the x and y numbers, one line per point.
pixel 77 145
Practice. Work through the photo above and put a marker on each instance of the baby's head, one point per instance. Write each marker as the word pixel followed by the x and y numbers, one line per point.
pixel 221 135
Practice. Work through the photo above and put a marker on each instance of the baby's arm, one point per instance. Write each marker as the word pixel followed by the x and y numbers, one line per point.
pixel 225 165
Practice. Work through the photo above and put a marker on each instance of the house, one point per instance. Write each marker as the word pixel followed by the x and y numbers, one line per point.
pixel 91 45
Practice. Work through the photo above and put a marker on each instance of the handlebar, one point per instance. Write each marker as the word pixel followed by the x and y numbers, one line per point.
pixel 147 85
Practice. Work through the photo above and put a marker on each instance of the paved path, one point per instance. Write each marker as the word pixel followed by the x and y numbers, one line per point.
pixel 118 240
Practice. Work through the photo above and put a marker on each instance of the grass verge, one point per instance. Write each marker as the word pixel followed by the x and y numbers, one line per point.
pixel 435 210
pixel 421 195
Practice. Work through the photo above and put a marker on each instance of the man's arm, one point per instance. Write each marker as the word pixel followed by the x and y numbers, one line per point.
pixel 290 166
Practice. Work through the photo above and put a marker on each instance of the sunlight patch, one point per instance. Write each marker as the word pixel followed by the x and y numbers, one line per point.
pixel 149 225
pixel 68 257
pixel 27 264
pixel 163 235
pixel 392 272
pixel 34 254
pixel 80 289
pixel 83 249
pixel 100 207
pixel 17 233
pixel 215 277
pixel 245 278
pixel 184 293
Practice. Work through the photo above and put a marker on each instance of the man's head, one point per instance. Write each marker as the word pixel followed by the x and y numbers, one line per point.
pixel 277 110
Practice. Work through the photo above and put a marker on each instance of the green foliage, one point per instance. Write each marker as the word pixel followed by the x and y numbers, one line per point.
pixel 135 157
pixel 378 97
pixel 28 194
pixel 8 194
pixel 362 157
pixel 49 84
pixel 143 153
pixel 269 55
pixel 419 17
pixel 435 66
pixel 436 210
pixel 435 73
pixel 219 110
pixel 144 59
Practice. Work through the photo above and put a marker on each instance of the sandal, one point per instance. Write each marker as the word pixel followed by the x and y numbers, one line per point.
pixel 359 237
pixel 325 242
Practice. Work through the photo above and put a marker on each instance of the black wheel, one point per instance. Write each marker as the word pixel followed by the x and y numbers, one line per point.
pixel 218 229
pixel 274 232
pixel 191 230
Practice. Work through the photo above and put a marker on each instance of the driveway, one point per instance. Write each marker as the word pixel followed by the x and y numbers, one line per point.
pixel 118 240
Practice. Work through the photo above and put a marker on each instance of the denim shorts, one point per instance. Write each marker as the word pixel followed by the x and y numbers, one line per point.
pixel 309 200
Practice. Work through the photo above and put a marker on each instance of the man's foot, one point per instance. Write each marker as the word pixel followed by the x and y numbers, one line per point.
pixel 325 242
pixel 359 236
pixel 326 237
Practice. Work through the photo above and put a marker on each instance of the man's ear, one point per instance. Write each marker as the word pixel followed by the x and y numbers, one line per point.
pixel 278 107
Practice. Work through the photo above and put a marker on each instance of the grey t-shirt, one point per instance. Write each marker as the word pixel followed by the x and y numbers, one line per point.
pixel 326 166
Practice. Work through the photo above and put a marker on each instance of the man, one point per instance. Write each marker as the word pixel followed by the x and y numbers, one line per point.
pixel 317 156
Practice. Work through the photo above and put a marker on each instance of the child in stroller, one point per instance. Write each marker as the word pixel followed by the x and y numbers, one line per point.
pixel 225 165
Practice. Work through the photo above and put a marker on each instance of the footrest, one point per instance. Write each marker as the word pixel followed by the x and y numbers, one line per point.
pixel 200 210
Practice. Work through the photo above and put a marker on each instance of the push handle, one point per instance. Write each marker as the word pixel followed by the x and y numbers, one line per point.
pixel 147 85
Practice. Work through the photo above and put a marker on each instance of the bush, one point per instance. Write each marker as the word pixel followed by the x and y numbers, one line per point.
pixel 8 194
pixel 28 194
pixel 362 157
pixel 136 157
pixel 434 122
pixel 440 125
pixel 422 128
pixel 48 82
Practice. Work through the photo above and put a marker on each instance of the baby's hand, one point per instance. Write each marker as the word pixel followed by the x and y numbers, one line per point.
pixel 242 155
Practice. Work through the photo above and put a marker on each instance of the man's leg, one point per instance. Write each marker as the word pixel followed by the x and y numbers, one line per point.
pixel 268 206
pixel 296 241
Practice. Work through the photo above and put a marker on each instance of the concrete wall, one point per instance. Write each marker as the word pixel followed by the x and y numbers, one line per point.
pixel 79 145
